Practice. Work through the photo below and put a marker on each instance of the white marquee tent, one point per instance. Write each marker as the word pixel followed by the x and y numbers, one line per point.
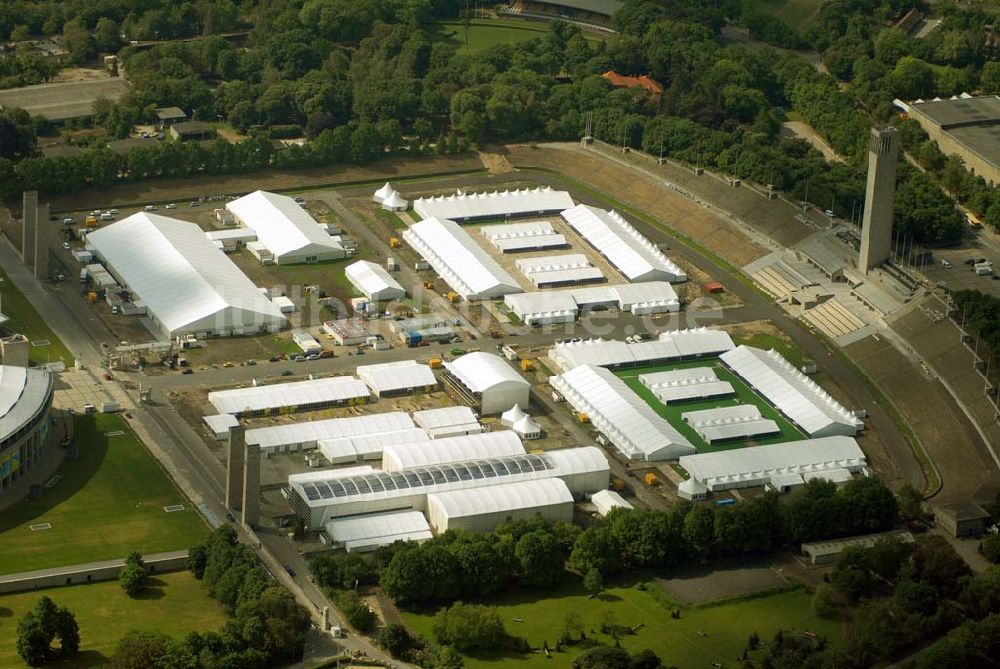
pixel 489 378
pixel 306 435
pixel 482 509
pixel 498 204
pixel 285 228
pixel 374 281
pixel 297 396
pixel 450 449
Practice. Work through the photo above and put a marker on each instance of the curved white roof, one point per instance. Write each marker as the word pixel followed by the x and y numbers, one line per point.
pixel 367 446
pixel 23 393
pixel 462 206
pixel 398 375
pixel 281 224
pixel 625 247
pixel 792 392
pixel 451 449
pixel 621 415
pixel 481 372
pixel 373 280
pixel 378 529
pixel 459 260
pixel 382 193
pixel 296 393
pixel 499 498
pixel 185 281
pixel 333 428
pixel 671 345
pixel 605 500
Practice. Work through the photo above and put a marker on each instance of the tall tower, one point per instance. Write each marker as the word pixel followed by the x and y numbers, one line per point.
pixel 41 250
pixel 29 223
pixel 251 486
pixel 234 467
pixel 876 232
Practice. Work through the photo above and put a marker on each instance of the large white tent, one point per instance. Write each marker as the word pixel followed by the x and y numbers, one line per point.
pixel 294 396
pixel 757 465
pixel 340 450
pixel 563 306
pixel 498 204
pixel 448 421
pixel 689 384
pixel 187 284
pixel 285 229
pixel 401 377
pixel 732 423
pixel 792 392
pixel 671 346
pixel 374 281
pixel 450 449
pixel 308 434
pixel 518 237
pixel 459 260
pixel 625 247
pixel 482 509
pixel 488 381
pixel 606 500
pixel 584 470
pixel 366 533
pixel 621 415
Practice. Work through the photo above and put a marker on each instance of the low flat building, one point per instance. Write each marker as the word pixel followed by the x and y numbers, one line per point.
pixel 403 377
pixel 961 519
pixel 828 552
pixel 965 126
pixel 188 131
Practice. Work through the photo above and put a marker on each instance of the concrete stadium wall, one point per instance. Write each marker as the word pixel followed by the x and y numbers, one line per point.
pixel 156 563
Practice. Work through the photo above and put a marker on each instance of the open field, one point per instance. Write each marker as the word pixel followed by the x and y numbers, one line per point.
pixel 108 502
pixel 796 13
pixel 744 395
pixel 25 320
pixel 484 34
pixel 701 635
pixel 174 604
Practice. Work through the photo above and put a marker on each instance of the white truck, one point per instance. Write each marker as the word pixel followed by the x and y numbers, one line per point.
pixel 983 269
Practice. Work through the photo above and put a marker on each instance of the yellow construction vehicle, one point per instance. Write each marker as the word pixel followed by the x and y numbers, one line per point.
pixel 429 285
pixel 394 243
pixel 91 222
pixel 434 363
pixel 527 365
pixel 452 296
pixel 650 479
pixel 92 297
pixel 582 417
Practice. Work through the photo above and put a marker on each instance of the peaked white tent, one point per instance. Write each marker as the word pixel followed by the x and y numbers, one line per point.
pixel 527 428
pixel 285 229
pixel 395 202
pixel 512 415
pixel 382 193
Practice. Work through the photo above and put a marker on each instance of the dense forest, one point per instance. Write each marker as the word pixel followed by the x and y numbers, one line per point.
pixel 364 79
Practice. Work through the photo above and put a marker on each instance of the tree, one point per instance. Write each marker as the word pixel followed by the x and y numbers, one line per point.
pixel 603 657
pixel 592 581
pixel 572 627
pixel 990 548
pixel 469 627
pixel 40 627
pixel 916 598
pixel 541 558
pixel 910 498
pixel 358 614
pixel 132 577
pixel 699 529
pixel 197 558
pixel 824 602
pixel 395 639
pixel 140 649
pixel 107 35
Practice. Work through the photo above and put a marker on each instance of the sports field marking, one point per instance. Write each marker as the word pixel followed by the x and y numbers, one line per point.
pixel 54 480
pixel 173 508
pixel 40 526
pixel 116 433
pixel 38 343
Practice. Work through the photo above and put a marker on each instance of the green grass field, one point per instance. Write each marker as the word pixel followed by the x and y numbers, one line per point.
pixel 25 320
pixel 744 395
pixel 108 502
pixel 487 33
pixel 796 13
pixel 175 604
pixel 701 635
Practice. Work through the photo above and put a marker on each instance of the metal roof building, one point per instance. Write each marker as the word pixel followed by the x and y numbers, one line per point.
pixel 360 534
pixel 498 204
pixel 735 423
pixel 621 415
pixel 791 392
pixel 625 247
pixel 691 384
pixel 373 281
pixel 187 284
pixel 671 346
pixel 285 228
pixel 584 470
pixel 758 465
pixel 482 509
pixel 447 421
pixel 459 260
pixel 516 237
pixel 606 500
pixel 486 380
pixel 402 377
pixel 305 435
pixel 341 450
pixel 450 449
pixel 219 424
pixel 294 396
pixel 25 400
pixel 826 552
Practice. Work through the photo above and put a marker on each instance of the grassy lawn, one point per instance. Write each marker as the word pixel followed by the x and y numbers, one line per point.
pixel 390 218
pixel 488 33
pixel 175 604
pixel 108 502
pixel 744 395
pixel 25 320
pixel 701 635
pixel 796 13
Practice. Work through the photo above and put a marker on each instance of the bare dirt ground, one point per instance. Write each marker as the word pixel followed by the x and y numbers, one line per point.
pixel 496 163
pixel 80 74
pixel 806 132
pixel 710 583
pixel 950 441
pixel 672 209
pixel 188 188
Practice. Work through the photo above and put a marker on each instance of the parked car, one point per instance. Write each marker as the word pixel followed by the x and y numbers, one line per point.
pixel 66 246
pixel 187 370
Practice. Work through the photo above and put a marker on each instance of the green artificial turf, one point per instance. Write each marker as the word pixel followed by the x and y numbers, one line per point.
pixel 107 503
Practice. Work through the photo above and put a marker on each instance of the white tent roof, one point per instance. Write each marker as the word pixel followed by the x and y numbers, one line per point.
pixel 372 530
pixel 432 419
pixel 760 462
pixel 367 446
pixel 481 372
pixel 372 279
pixel 399 375
pixel 382 193
pixel 671 345
pixel 451 449
pixel 605 500
pixel 621 415
pixel 512 415
pixel 493 205
pixel 625 247
pixel 281 224
pixel 394 201
pixel 333 428
pixel 733 422
pixel 183 279
pixel 547 263
pixel 791 391
pixel 526 425
pixel 275 395
pixel 220 423
pixel 459 260
pixel 305 477
pixel 499 498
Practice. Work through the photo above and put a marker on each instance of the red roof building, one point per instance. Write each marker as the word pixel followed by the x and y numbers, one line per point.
pixel 654 87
